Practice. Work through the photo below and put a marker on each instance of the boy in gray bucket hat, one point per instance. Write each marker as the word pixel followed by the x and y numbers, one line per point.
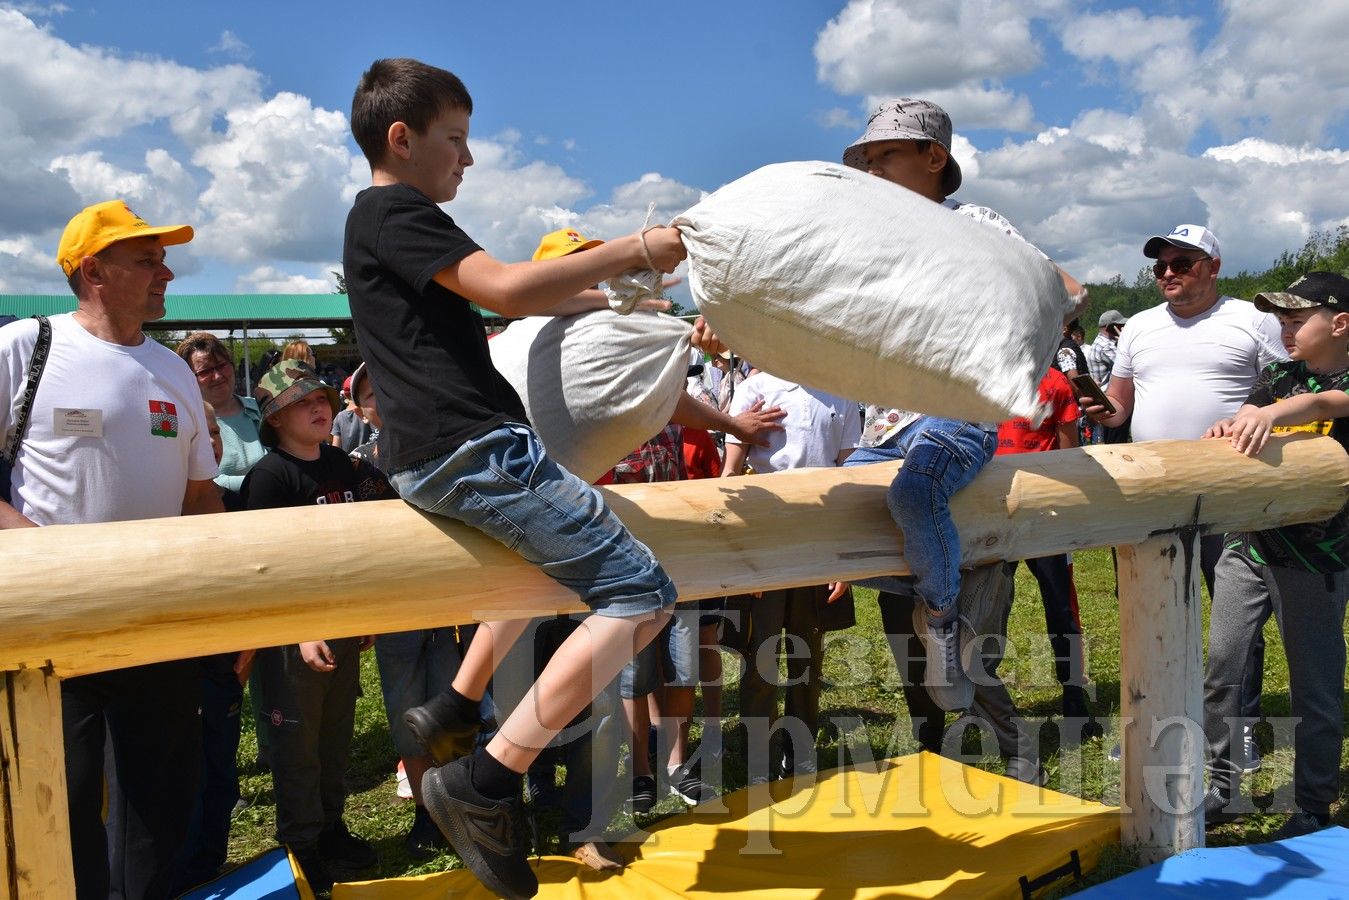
pixel 907 119
pixel 907 142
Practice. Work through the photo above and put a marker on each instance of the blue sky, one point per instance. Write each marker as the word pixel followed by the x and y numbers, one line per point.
pixel 1090 125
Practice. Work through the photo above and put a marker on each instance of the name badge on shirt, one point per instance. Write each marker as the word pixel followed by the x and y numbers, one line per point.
pixel 77 422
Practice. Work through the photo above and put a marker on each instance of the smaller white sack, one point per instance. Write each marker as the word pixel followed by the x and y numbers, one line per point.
pixel 834 278
pixel 596 385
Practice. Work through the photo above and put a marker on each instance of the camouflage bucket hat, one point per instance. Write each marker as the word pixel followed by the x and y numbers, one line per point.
pixel 287 382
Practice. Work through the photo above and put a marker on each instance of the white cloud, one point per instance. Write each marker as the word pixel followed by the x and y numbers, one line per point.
pixel 271 280
pixel 28 266
pixel 37 10
pixel 39 112
pixel 1125 36
pixel 955 53
pixel 1272 68
pixel 837 117
pixel 279 177
pixel 230 45
pixel 1276 154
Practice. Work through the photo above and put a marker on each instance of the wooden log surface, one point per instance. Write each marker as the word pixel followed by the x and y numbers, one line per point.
pixel 34 831
pixel 1161 696
pixel 87 598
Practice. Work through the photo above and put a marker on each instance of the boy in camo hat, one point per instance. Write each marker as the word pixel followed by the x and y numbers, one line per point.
pixel 309 689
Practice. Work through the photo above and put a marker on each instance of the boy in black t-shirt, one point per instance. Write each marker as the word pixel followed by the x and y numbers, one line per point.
pixel 458 445
pixel 309 690
pixel 1296 572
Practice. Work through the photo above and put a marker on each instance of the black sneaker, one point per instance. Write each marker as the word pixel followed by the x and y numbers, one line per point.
pixel 340 848
pixel 489 835
pixel 1300 823
pixel 687 784
pixel 423 839
pixel 643 795
pixel 315 870
pixel 1215 808
pixel 439 725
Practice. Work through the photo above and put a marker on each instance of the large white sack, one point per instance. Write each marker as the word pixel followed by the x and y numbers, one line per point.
pixel 834 278
pixel 595 385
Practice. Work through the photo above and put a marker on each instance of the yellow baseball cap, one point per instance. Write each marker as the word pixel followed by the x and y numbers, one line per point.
pixel 96 227
pixel 561 242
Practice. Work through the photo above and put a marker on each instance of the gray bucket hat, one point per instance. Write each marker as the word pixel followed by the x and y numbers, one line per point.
pixel 907 119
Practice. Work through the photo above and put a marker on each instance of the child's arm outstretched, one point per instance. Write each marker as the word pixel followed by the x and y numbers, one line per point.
pixel 540 286
pixel 1250 428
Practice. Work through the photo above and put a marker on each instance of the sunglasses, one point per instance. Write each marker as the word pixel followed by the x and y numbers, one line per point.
pixel 1180 265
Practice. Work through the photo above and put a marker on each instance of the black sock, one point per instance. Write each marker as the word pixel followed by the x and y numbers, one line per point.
pixel 468 709
pixel 491 778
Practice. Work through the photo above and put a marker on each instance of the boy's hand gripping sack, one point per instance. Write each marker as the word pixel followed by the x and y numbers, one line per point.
pixel 829 276
pixel 595 385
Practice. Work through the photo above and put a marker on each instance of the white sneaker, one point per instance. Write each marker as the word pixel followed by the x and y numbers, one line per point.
pixel 1250 751
pixel 404 789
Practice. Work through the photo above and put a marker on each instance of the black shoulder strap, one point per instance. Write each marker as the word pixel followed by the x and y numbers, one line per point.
pixel 35 367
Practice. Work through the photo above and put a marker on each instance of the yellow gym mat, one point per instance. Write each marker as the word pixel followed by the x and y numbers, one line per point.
pixel 913 826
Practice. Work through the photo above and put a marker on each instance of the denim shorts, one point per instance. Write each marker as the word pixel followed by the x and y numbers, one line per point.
pixel 671 659
pixel 504 485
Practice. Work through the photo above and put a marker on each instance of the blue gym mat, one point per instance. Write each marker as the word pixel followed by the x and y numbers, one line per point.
pixel 268 876
pixel 1314 865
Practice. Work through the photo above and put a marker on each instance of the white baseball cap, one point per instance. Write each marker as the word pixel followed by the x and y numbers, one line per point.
pixel 1191 237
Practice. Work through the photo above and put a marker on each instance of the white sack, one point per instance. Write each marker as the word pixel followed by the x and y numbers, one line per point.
pixel 834 278
pixel 596 385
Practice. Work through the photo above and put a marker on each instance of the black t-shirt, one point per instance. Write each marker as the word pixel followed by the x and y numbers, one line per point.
pixel 279 479
pixel 425 345
pixel 1321 547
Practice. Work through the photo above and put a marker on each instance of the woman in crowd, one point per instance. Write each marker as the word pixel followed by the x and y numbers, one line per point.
pixel 239 416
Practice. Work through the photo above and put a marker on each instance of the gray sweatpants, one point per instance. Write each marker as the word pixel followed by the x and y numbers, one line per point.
pixel 310 719
pixel 1309 609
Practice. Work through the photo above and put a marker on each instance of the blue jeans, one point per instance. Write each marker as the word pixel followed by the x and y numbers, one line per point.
pixel 504 485
pixel 940 456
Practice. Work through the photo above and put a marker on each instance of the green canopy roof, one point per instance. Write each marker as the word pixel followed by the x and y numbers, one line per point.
pixel 195 312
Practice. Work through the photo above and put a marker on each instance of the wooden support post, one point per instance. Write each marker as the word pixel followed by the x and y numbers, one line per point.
pixel 34 829
pixel 1161 695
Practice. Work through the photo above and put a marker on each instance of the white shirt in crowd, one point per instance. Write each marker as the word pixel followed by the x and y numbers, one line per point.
pixel 115 432
pixel 817 429
pixel 1189 373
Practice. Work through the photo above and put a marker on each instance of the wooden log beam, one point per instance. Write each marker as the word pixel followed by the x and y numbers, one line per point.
pixel 88 598
pixel 34 831
pixel 1161 695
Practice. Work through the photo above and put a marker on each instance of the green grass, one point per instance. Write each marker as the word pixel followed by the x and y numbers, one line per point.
pixel 861 682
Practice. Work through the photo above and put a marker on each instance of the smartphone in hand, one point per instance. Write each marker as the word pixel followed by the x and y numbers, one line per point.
pixel 1087 387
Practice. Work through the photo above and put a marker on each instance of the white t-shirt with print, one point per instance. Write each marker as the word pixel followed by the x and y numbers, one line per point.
pixel 818 427
pixel 1189 373
pixel 115 432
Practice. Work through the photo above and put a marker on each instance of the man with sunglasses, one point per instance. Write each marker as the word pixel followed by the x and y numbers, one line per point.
pixel 1187 360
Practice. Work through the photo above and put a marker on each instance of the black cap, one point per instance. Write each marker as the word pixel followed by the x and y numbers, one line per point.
pixel 1313 289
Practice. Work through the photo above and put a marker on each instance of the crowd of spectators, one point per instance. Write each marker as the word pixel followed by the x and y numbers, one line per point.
pixel 176 436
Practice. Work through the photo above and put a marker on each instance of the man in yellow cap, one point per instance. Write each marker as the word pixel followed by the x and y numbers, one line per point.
pixel 116 431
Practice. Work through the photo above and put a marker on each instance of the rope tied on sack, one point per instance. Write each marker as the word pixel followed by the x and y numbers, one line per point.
pixel 629 288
